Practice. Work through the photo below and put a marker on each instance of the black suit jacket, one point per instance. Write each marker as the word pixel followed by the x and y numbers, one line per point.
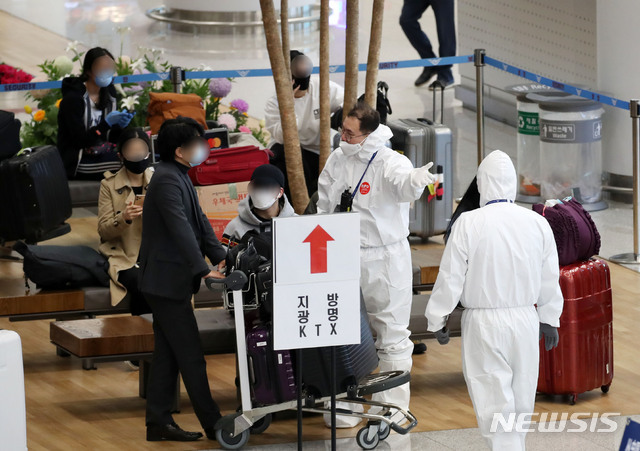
pixel 176 235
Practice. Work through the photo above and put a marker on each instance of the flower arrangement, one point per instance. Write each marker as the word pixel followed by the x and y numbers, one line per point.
pixel 10 74
pixel 42 128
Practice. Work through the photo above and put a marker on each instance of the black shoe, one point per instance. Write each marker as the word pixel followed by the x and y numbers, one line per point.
pixel 171 432
pixel 440 83
pixel 427 74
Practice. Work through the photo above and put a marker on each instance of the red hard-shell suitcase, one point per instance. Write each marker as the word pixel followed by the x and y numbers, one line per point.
pixel 583 359
pixel 231 165
pixel 271 373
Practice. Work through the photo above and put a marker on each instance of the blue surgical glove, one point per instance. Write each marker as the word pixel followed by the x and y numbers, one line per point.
pixel 442 335
pixel 115 117
pixel 126 119
pixel 550 334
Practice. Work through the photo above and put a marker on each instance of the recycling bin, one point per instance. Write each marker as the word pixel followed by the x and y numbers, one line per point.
pixel 571 149
pixel 528 139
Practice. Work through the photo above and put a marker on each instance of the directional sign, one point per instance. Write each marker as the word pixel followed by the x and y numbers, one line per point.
pixel 316 293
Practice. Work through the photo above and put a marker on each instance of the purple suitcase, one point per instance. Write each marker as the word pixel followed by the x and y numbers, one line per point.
pixel 270 372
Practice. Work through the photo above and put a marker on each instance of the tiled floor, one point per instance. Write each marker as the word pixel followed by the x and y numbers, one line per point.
pixel 471 440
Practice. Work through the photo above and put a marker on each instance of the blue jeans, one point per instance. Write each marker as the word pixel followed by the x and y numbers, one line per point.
pixel 412 11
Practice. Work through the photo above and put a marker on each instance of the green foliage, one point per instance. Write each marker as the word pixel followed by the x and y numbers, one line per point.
pixel 132 96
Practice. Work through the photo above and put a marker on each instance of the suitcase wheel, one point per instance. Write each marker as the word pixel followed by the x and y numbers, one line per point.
pixel 605 388
pixel 572 399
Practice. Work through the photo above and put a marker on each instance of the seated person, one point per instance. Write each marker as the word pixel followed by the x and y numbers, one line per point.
pixel 266 200
pixel 120 217
pixel 88 122
pixel 306 93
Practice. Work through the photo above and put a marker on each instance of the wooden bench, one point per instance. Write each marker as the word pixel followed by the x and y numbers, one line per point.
pixel 123 338
pixel 84 302
pixel 104 339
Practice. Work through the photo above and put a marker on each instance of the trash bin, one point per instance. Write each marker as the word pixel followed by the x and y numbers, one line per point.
pixel 571 149
pixel 528 146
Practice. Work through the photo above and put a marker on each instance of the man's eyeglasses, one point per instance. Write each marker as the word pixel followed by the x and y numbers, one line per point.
pixel 349 135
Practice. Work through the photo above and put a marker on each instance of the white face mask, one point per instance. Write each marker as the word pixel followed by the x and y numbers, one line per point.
pixel 264 199
pixel 351 149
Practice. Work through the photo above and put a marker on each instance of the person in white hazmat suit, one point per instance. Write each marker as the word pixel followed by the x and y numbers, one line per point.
pixel 383 183
pixel 500 260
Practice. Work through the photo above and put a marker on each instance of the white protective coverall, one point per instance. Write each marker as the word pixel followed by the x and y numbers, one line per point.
pixel 500 260
pixel 383 201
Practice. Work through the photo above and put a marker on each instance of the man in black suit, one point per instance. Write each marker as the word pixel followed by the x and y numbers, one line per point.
pixel 176 235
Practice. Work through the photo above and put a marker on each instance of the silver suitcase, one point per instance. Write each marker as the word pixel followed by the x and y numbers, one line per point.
pixel 13 418
pixel 422 141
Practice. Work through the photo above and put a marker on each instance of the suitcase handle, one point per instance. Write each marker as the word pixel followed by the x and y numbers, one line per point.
pixel 435 88
pixel 426 121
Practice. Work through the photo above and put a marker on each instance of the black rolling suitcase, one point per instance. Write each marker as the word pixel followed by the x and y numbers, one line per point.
pixel 35 194
pixel 353 362
pixel 9 135
pixel 422 141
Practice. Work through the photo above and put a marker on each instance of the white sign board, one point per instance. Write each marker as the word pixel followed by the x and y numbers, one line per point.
pixel 316 285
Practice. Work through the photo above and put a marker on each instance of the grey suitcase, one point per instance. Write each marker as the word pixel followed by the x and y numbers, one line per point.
pixel 422 141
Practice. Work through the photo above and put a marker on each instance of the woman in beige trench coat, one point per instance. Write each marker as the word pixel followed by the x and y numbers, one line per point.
pixel 120 217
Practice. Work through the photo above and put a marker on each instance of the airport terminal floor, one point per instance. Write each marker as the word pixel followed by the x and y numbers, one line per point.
pixel 69 408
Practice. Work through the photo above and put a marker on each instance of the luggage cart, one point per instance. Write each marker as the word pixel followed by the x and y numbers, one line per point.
pixel 233 430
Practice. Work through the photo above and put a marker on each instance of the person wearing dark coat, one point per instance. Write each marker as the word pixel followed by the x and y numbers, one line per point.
pixel 176 237
pixel 89 124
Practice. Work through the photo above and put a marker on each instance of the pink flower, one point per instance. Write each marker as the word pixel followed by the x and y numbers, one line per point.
pixel 240 105
pixel 244 129
pixel 228 121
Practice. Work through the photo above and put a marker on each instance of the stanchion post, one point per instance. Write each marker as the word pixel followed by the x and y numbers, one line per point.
pixel 299 393
pixel 478 61
pixel 333 398
pixel 634 257
pixel 176 78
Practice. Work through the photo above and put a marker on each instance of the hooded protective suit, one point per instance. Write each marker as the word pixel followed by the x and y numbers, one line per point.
pixel 383 200
pixel 501 259
pixel 247 220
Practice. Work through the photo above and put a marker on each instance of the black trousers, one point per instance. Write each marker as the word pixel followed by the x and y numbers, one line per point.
pixel 177 349
pixel 310 165
pixel 129 279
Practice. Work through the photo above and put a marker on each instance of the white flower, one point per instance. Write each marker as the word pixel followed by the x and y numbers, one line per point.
pixel 120 90
pixel 263 123
pixel 137 65
pixel 130 102
pixel 72 47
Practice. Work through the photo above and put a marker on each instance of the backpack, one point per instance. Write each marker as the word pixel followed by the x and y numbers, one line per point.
pixel 470 201
pixel 576 235
pixel 9 135
pixel 63 267
pixel 169 105
pixel 383 107
pixel 252 255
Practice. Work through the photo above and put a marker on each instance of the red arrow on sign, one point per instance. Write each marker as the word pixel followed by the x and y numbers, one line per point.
pixel 318 240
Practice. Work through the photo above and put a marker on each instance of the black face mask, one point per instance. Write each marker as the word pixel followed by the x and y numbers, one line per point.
pixel 302 82
pixel 136 167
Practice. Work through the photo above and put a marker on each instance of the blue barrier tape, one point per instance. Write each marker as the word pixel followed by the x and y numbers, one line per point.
pixel 194 75
pixel 591 95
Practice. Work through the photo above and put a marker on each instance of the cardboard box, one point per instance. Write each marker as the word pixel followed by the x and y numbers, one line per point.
pixel 220 203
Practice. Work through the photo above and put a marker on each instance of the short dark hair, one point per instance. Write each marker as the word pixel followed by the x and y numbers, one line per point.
pixel 176 133
pixel 368 117
pixel 132 133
